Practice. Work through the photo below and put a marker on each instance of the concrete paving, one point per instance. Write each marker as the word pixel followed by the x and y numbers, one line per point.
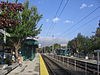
pixel 27 68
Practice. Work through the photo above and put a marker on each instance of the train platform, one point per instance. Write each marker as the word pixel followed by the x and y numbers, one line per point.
pixel 43 68
pixel 35 67
pixel 44 64
pixel 28 67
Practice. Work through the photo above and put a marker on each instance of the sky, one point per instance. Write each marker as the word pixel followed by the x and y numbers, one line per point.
pixel 70 22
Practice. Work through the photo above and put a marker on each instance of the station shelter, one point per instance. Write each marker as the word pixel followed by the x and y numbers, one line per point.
pixel 28 49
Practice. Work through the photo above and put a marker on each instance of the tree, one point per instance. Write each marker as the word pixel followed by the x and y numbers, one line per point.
pixel 72 45
pixel 7 9
pixel 47 49
pixel 96 43
pixel 56 45
pixel 81 44
pixel 28 19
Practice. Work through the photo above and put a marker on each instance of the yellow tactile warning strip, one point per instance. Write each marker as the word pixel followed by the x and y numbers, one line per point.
pixel 43 69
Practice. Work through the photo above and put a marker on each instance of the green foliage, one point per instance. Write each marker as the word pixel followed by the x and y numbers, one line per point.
pixel 47 49
pixel 97 43
pixel 28 19
pixel 81 44
pixel 56 45
pixel 84 44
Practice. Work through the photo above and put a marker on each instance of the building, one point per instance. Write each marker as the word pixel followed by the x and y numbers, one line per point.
pixel 63 46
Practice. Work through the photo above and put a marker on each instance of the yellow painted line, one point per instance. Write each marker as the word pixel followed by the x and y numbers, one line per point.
pixel 43 69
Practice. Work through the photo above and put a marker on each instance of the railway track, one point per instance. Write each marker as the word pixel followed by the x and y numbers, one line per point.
pixel 54 68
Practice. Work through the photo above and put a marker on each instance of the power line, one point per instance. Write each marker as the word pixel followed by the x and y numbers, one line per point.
pixel 55 16
pixel 83 25
pixel 79 21
pixel 64 8
pixel 59 8
pixel 85 18
pixel 62 11
pixel 49 30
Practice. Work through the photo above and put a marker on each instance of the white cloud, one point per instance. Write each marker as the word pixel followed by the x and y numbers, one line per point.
pixel 91 5
pixel 83 6
pixel 48 41
pixel 86 6
pixel 68 22
pixel 56 20
pixel 47 20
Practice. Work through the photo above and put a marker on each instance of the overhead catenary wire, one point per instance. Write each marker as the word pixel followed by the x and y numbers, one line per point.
pixel 59 8
pixel 55 16
pixel 63 8
pixel 79 21
pixel 61 12
pixel 83 25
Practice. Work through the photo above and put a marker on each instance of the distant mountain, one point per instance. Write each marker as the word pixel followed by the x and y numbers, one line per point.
pixel 47 41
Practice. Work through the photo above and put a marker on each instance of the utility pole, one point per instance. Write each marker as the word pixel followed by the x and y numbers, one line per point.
pixel 53 43
pixel 98 53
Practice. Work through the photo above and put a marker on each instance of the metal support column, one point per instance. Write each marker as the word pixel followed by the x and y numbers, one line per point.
pixel 97 51
pixel 98 62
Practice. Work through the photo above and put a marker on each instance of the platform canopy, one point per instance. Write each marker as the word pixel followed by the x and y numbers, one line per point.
pixel 31 42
